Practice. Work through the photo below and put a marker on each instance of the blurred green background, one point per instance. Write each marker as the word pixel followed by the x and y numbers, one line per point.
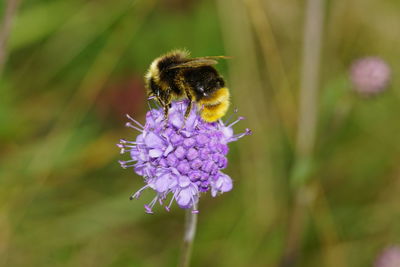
pixel 74 68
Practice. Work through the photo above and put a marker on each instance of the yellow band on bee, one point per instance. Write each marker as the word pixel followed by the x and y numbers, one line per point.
pixel 211 113
pixel 221 95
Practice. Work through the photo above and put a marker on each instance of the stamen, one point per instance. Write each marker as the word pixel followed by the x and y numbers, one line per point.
pixel 128 146
pixel 140 165
pixel 172 199
pixel 123 141
pixel 122 163
pixel 138 193
pixel 126 161
pixel 238 136
pixel 148 209
pixel 231 116
pixel 128 124
pixel 150 206
pixel 236 121
pixel 135 121
pixel 123 150
pixel 122 147
pixel 147 172
pixel 127 166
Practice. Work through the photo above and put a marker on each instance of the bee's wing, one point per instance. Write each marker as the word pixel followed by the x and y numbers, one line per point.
pixel 217 57
pixel 198 62
pixel 194 63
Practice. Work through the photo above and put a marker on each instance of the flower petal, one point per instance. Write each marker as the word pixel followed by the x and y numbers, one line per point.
pixel 155 153
pixel 228 132
pixel 153 141
pixel 174 182
pixel 192 154
pixel 214 192
pixel 191 121
pixel 168 150
pixel 223 183
pixel 162 184
pixel 176 119
pixel 184 198
pixel 143 155
pixel 184 181
pixel 140 169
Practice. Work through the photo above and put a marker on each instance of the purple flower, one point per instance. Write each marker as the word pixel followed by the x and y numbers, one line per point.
pixel 370 75
pixel 390 257
pixel 180 158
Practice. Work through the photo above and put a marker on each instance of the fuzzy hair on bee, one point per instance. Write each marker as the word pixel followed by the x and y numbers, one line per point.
pixel 175 76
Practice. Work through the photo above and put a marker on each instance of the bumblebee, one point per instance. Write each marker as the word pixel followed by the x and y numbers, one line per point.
pixel 175 76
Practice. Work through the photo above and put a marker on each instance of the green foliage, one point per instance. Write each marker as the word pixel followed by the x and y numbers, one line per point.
pixel 64 200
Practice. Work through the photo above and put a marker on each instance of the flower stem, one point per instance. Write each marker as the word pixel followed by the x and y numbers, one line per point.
pixel 312 43
pixel 188 237
pixel 307 124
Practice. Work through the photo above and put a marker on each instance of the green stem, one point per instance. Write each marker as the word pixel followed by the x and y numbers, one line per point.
pixel 188 237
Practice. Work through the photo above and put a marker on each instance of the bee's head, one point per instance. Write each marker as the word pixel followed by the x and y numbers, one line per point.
pixel 162 63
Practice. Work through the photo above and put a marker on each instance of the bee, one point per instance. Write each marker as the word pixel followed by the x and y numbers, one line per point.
pixel 175 76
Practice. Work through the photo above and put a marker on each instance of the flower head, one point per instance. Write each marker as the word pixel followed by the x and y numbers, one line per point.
pixel 180 158
pixel 370 75
pixel 390 257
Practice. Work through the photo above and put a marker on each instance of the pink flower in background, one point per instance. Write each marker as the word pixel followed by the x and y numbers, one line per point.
pixel 370 75
pixel 390 257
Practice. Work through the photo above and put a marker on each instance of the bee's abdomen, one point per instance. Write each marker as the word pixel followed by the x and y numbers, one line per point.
pixel 215 106
pixel 218 96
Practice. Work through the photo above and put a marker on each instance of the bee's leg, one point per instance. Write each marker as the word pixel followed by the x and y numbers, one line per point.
pixel 189 107
pixel 166 110
pixel 166 102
